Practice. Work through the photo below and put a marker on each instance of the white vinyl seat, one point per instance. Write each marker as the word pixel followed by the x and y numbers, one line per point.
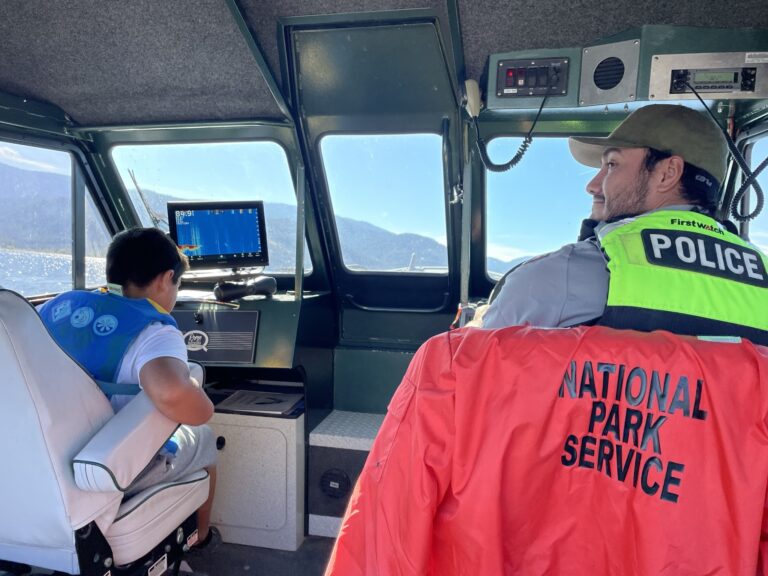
pixel 68 459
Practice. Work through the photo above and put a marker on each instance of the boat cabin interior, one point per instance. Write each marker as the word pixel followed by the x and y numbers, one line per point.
pixel 348 179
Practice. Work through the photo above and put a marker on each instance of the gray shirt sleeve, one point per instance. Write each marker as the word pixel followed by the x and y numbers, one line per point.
pixel 559 289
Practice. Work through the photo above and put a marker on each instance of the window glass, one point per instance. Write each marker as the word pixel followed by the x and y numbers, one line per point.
pixel 36 219
pixel 758 228
pixel 154 174
pixel 535 207
pixel 96 243
pixel 388 201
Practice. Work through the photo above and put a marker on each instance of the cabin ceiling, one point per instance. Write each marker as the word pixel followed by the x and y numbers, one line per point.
pixel 142 61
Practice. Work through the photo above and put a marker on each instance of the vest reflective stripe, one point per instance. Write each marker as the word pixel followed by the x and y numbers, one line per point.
pixel 683 263
pixel 96 328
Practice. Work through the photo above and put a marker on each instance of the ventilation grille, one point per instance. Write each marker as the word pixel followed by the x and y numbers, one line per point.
pixel 609 73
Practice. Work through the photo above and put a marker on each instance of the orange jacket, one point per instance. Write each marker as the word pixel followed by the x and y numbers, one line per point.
pixel 568 451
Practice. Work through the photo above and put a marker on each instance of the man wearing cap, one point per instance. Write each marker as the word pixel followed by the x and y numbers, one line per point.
pixel 590 451
pixel 659 260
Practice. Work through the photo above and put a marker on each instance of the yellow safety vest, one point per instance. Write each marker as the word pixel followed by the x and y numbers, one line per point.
pixel 682 271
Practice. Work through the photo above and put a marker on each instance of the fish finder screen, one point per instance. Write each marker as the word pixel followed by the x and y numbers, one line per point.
pixel 220 234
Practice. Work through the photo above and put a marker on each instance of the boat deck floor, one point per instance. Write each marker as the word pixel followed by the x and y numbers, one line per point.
pixel 236 560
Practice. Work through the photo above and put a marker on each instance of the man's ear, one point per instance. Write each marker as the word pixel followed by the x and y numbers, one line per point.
pixel 670 173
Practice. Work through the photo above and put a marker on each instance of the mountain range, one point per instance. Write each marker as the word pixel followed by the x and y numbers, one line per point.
pixel 41 215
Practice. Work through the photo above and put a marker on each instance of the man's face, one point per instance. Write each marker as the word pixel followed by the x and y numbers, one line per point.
pixel 620 188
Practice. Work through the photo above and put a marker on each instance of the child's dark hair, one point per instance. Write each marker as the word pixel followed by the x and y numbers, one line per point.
pixel 136 256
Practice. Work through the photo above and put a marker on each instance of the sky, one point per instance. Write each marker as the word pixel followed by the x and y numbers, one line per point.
pixel 31 158
pixel 394 182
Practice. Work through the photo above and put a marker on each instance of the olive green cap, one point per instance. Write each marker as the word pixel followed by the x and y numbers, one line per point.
pixel 669 128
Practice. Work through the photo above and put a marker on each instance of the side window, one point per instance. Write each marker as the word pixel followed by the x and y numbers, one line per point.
pixel 154 174
pixel 758 228
pixel 388 201
pixel 535 207
pixel 36 219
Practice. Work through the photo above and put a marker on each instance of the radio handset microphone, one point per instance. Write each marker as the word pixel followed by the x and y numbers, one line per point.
pixel 261 286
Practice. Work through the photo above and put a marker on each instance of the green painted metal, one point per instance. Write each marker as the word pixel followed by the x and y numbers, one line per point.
pixel 301 231
pixel 31 117
pixel 364 380
pixel 454 21
pixel 277 331
pixel 78 227
pixel 289 26
pixel 391 328
pixel 388 70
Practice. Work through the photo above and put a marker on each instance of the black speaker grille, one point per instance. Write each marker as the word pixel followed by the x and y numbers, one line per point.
pixel 609 73
pixel 335 483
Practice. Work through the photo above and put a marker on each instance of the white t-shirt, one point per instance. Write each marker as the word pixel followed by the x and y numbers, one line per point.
pixel 155 341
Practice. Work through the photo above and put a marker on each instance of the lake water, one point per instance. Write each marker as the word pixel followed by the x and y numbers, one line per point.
pixel 31 273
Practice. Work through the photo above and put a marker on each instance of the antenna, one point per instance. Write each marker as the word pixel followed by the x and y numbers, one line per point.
pixel 154 216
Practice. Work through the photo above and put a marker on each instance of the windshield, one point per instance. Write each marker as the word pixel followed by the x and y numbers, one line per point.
pixel 154 174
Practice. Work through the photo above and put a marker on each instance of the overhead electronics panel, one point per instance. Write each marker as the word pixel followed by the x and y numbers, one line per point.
pixel 651 63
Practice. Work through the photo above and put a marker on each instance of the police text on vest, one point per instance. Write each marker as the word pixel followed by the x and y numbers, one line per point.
pixel 704 254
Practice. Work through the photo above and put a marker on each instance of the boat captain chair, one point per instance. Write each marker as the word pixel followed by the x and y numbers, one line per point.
pixel 68 460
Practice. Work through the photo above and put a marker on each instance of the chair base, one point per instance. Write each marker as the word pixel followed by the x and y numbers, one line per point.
pixel 95 555
pixel 15 568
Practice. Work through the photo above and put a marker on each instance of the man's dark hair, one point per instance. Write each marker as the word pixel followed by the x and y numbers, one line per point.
pixel 136 256
pixel 691 189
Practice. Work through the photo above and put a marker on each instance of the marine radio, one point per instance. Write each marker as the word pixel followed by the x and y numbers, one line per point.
pixel 713 80
pixel 729 75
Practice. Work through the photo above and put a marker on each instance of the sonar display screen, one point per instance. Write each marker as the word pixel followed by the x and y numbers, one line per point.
pixel 220 234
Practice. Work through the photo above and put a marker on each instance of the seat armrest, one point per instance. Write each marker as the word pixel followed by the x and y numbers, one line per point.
pixel 123 447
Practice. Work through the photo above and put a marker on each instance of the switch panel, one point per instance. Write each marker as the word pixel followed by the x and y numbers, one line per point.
pixel 532 77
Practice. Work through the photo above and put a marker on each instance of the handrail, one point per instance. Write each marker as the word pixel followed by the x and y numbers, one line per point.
pixel 442 307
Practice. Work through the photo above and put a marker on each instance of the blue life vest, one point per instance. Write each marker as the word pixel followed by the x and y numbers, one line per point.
pixel 97 328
